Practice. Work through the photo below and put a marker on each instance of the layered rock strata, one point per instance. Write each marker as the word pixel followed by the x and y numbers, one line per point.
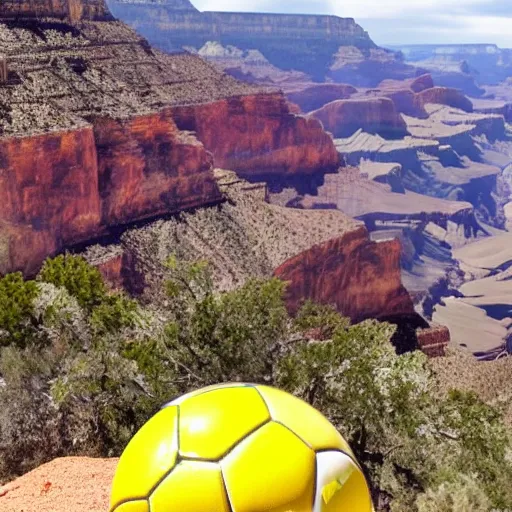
pixel 259 136
pixel 324 255
pixel 94 135
pixel 74 10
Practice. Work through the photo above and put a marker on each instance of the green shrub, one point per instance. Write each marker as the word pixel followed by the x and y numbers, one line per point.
pixel 16 309
pixel 81 280
pixel 465 494
pixel 114 313
pixel 423 449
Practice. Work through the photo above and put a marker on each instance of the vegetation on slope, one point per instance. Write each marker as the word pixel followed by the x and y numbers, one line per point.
pixel 84 367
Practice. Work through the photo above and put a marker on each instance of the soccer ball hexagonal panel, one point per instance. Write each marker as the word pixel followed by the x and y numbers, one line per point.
pixel 192 486
pixel 239 448
pixel 271 470
pixel 153 452
pixel 211 423
pixel 308 423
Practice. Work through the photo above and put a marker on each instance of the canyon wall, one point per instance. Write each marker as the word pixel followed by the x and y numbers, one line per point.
pixel 179 21
pixel 75 10
pixel 64 188
pixel 258 136
pixel 306 43
pixel 48 195
pixel 90 143
pixel 147 167
pixel 361 278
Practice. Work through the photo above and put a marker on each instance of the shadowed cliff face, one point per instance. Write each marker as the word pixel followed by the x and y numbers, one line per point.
pixel 361 278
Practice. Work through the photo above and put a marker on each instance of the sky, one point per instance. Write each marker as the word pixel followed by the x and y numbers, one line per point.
pixel 400 21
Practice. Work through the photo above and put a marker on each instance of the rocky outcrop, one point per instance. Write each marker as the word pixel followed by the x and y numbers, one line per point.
pixel 489 106
pixel 316 96
pixel 377 115
pixel 147 167
pixel 367 67
pixel 409 96
pixel 445 96
pixel 487 63
pixel 92 179
pixel 326 255
pixel 95 137
pixel 74 10
pixel 416 84
pixel 361 278
pixel 434 341
pixel 257 136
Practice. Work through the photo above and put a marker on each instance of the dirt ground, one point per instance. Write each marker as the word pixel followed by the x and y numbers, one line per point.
pixel 73 484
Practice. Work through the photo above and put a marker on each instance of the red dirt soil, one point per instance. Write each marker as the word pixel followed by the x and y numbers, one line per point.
pixel 73 484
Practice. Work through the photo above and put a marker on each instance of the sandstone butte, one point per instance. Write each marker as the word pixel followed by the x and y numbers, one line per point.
pixel 373 115
pixel 94 129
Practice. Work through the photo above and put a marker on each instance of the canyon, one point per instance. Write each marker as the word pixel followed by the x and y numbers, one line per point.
pixel 486 64
pixel 358 195
pixel 100 134
pixel 270 146
pixel 431 170
pixel 95 134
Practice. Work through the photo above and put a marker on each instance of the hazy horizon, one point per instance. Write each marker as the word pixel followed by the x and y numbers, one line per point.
pixel 396 22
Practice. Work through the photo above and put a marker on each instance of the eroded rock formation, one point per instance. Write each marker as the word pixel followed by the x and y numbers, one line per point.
pixel 49 195
pixel 74 10
pixel 377 115
pixel 326 255
pixel 361 278
pixel 319 46
pixel 316 96
pixel 147 167
pixel 258 136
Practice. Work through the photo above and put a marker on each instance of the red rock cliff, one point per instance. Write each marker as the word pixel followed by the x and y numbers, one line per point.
pixel 63 188
pixel 445 96
pixel 74 10
pixel 359 277
pixel 148 167
pixel 258 135
pixel 48 195
pixel 316 96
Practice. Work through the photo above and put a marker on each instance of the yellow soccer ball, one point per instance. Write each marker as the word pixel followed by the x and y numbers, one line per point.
pixel 239 448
